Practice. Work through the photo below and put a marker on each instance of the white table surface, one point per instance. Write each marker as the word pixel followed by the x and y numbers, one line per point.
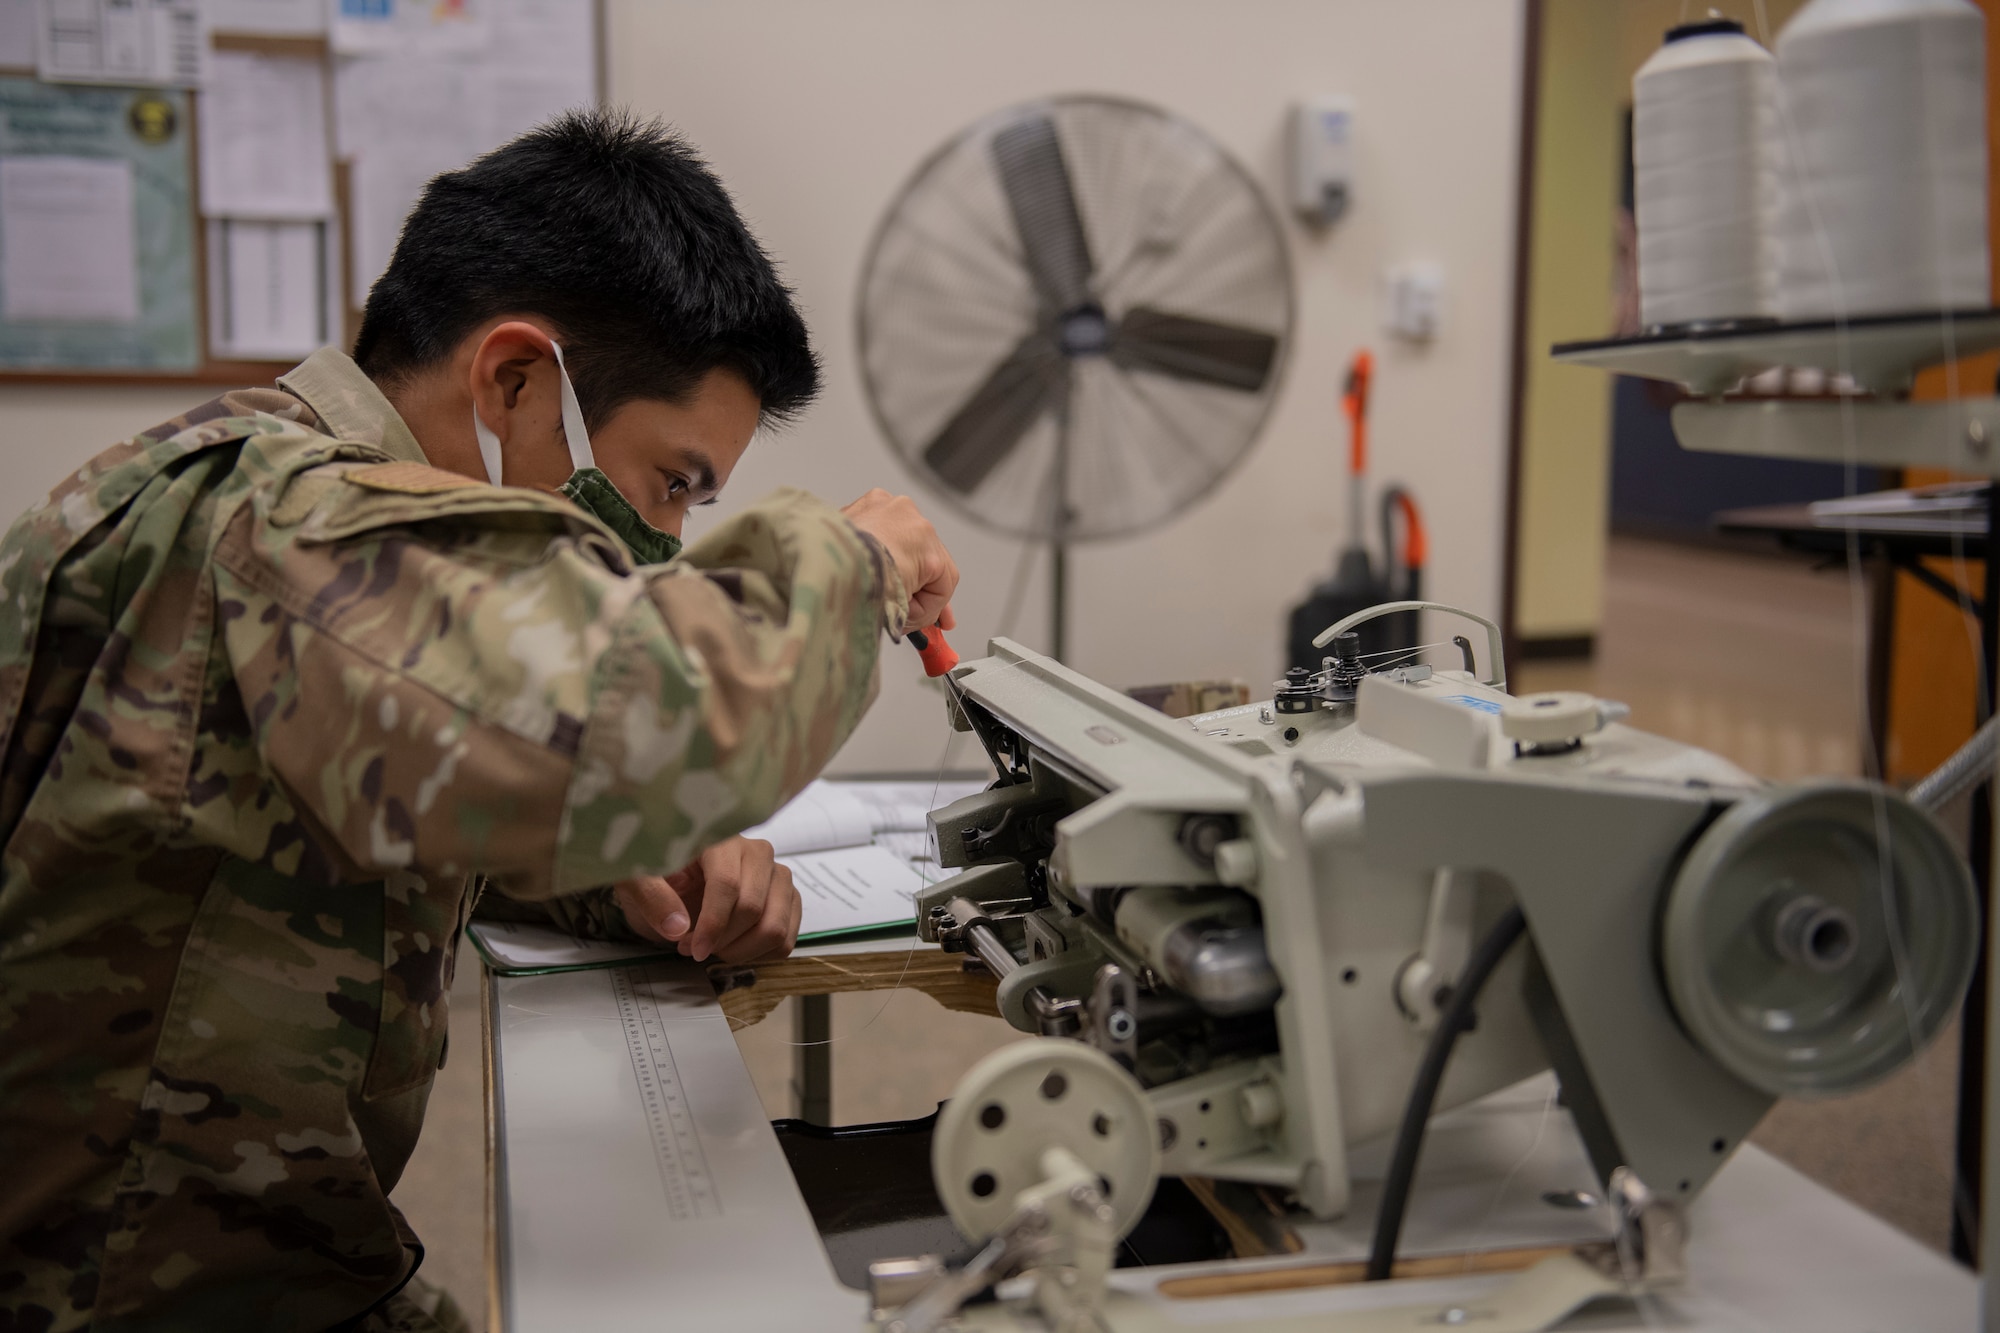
pixel 586 1241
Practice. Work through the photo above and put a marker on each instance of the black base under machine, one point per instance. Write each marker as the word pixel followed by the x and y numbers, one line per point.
pixel 1356 586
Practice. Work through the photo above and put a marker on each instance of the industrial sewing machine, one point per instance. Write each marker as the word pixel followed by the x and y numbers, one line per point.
pixel 1259 936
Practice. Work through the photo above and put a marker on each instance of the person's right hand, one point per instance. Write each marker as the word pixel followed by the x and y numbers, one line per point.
pixel 734 901
pixel 929 572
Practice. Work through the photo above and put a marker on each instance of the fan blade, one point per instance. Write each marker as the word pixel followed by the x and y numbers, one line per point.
pixel 1194 349
pixel 988 426
pixel 1036 181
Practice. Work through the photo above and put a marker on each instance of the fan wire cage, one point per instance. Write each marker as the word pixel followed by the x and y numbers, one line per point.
pixel 1073 321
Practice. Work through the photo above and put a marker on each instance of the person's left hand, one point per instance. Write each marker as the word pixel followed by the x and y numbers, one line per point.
pixel 735 902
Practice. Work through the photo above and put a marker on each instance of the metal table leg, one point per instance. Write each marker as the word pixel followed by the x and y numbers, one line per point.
pixel 812 1058
pixel 1972 1025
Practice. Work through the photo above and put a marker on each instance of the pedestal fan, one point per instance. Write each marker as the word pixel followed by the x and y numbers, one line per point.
pixel 1072 321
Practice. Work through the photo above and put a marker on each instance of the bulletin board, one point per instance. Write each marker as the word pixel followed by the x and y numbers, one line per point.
pixel 247 248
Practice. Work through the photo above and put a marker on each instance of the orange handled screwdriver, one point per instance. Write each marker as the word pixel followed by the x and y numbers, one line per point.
pixel 937 654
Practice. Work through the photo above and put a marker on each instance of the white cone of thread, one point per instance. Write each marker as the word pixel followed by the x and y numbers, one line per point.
pixel 1883 134
pixel 1704 182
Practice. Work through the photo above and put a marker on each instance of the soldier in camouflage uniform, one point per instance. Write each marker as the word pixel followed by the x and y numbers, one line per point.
pixel 285 679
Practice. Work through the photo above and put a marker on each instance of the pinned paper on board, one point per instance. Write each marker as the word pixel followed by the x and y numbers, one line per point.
pixel 18 21
pixel 145 42
pixel 270 285
pixel 375 27
pixel 265 149
pixel 406 113
pixel 67 250
pixel 269 18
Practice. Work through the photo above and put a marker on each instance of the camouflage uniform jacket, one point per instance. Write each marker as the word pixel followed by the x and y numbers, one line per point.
pixel 274 690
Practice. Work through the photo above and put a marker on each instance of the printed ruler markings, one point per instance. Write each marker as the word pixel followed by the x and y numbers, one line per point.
pixel 676 1143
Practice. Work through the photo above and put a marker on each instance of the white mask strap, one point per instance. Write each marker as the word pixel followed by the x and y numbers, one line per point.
pixel 580 456
pixel 489 446
pixel 574 434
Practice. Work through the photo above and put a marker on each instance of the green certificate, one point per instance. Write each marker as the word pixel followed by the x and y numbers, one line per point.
pixel 96 229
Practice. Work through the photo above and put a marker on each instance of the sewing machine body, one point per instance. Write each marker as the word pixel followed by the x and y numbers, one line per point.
pixel 1355 844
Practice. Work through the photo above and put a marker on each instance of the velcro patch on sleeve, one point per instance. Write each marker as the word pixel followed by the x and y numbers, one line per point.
pixel 408 479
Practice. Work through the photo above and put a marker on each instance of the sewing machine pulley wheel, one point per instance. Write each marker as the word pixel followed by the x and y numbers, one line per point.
pixel 1031 1096
pixel 1818 936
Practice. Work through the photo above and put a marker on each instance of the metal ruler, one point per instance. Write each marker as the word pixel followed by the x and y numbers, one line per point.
pixel 677 1148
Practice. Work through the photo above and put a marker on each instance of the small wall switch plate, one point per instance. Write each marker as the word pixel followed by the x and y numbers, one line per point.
pixel 1322 159
pixel 1413 297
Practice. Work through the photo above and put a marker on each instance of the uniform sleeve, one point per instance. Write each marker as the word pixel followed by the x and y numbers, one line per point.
pixel 593 914
pixel 472 681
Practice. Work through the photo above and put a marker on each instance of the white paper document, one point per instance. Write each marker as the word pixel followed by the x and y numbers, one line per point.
pixel 369 27
pixel 409 111
pixel 269 289
pixel 905 807
pixel 859 853
pixel 144 42
pixel 269 18
pixel 822 816
pixel 67 249
pixel 910 846
pixel 842 892
pixel 384 185
pixel 265 149
pixel 851 814
pixel 17 33
pixel 854 888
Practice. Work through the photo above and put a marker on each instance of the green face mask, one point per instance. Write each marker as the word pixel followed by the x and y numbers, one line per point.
pixel 592 491
pixel 587 488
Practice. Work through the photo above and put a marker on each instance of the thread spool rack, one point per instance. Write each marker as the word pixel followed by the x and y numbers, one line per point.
pixel 1875 424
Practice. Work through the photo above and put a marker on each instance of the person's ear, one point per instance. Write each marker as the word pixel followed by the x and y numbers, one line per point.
pixel 515 388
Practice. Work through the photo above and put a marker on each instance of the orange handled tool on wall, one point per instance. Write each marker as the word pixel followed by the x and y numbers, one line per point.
pixel 930 645
pixel 1355 400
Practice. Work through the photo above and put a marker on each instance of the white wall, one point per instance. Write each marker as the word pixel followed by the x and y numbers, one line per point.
pixel 47 431
pixel 815 113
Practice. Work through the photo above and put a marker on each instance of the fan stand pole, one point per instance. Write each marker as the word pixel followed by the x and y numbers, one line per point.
pixel 1058 596
pixel 1059 539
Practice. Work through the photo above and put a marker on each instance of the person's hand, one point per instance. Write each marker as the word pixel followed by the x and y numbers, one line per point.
pixel 929 572
pixel 735 902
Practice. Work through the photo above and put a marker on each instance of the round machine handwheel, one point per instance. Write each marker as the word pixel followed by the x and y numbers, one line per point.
pixel 1806 957
pixel 1023 1099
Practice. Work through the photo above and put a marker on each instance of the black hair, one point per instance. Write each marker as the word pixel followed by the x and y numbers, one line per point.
pixel 613 229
